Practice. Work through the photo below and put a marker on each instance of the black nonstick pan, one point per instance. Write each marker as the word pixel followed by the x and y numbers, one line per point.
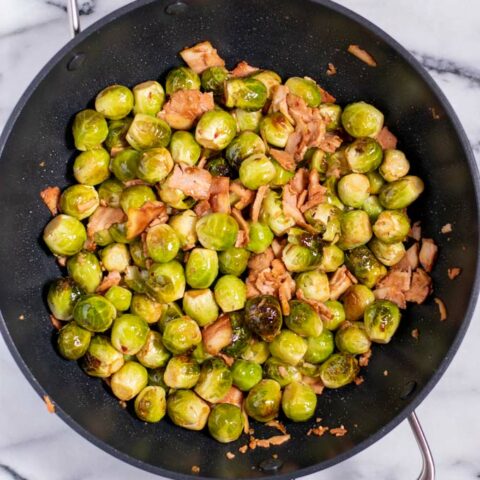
pixel 141 42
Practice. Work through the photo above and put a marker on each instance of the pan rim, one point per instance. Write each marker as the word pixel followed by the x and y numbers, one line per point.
pixel 411 405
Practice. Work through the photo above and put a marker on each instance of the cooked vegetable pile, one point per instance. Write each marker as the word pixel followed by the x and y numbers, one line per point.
pixel 234 244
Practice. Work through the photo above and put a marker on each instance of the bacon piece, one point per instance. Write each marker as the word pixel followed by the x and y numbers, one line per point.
pixel 326 97
pixel 428 254
pixel 49 404
pixel 331 70
pixel 245 195
pixel 315 383
pixel 192 181
pixel 134 182
pixel 261 261
pixel 278 425
pixel 62 260
pixel 51 198
pixel 364 359
pixel 392 294
pixel 318 306
pixel 227 359
pixel 202 208
pixel 285 291
pixel 284 158
pixel 279 102
pixel 140 218
pixel 386 139
pixel 257 204
pixel 416 231
pixel 409 261
pixel 330 143
pixel 397 279
pixel 289 205
pixel 316 191
pixel 362 55
pixel 454 272
pixel 420 288
pixel 441 308
pixel 299 181
pixel 242 239
pixel 57 324
pixel 341 280
pixel 113 278
pixel 220 194
pixel 234 396
pixel 237 215
pixel 339 431
pixel 202 56
pixel 251 288
pixel 217 335
pixel 103 218
pixel 243 69
pixel 268 442
pixel 447 228
pixel 278 246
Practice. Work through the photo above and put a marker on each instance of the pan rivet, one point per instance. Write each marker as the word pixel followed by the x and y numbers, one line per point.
pixel 176 8
pixel 270 465
pixel 408 389
pixel 76 61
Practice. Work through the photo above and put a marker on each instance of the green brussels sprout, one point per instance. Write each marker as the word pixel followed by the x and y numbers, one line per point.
pixel 181 335
pixel 325 219
pixel 355 300
pixel 303 320
pixel 373 207
pixel 91 167
pixel 275 129
pixel 392 226
pixel 147 131
pixel 233 261
pixel 200 305
pixel 282 176
pixel 263 316
pixel 169 312
pixel 215 129
pixel 317 160
pixel 300 258
pixel 129 380
pixel 187 410
pixel 338 315
pixel 166 282
pixel 94 312
pixel 246 374
pixel 62 295
pixel 338 370
pixel 114 102
pixel 388 253
pixel 115 257
pixel 201 268
pixel 73 341
pixel 89 129
pixel 281 372
pixel 150 404
pixel 213 80
pixel 314 285
pixel 356 229
pixel 64 235
pixel 110 191
pixel 246 93
pixel 263 400
pixel 225 422
pixel 394 166
pixel 118 233
pixel 332 259
pixel 181 78
pixel 154 165
pixel 153 354
pixel 364 155
pixel 129 333
pixel 247 121
pixel 334 113
pixel 101 359
pixel 261 237
pixel 361 119
pixel 155 378
pixel 103 238
pixel 376 182
pixel 401 193
pixel 381 319
pixel 305 88
pixel 288 347
pixel 219 167
pixel 363 264
pixel 256 351
pixel 230 293
pixel 120 297
pixel 353 189
pixel 269 78
pixel 352 338
pixel 331 185
pixel 145 307
pixel 199 354
pixel 272 214
pixel 181 372
pixel 124 164
pixel 184 148
pixel 184 226
pixel 117 132
pixel 174 197
pixel 299 402
pixel 79 201
pixel 243 146
pixel 217 231
pixel 240 334
pixel 162 243
pixel 136 279
pixel 319 348
pixel 137 253
pixel 135 196
pixel 149 97
pixel 215 380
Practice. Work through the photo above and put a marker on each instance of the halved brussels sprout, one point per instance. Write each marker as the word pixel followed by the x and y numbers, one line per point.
pixel 187 410
pixel 363 264
pixel 246 374
pixel 114 102
pixel 213 80
pixel 247 121
pixel 166 282
pixel 219 167
pixel 181 78
pixel 338 315
pixel 149 97
pixel 263 316
pixel 162 243
pixel 147 131
pixel 129 333
pixel 303 320
pixel 392 226
pixel 314 285
pixel 201 268
pixel 150 404
pixel 394 166
pixel 110 191
pixel 230 293
pixel 115 257
pixel 233 261
pixel 382 319
pixel 269 78
pixel 364 155
pixel 181 335
pixel 361 119
pixel 282 176
pixel 401 193
pixel 73 341
pixel 319 348
pixel 325 218
pixel 129 380
pixel 79 201
pixel 94 312
pixel 135 196
pixel 261 237
pixel 217 231
pixel 62 296
pixel 215 129
pixel 275 129
pixel 263 400
pixel 184 226
pixel 225 422
pixel 281 372
pixel 246 93
pixel 91 167
pixel 154 165
pixel 200 305
pixel 353 189
pixel 89 129
pixel 124 164
pixel 338 370
pixel 299 402
pixel 215 380
pixel 181 372
pixel 355 300
pixel 288 347
pixel 388 253
pixel 101 359
pixel 153 354
pixel 184 148
pixel 356 229
pixel 272 214
pixel 145 307
pixel 305 88
pixel 352 338
pixel 334 113
pixel 120 297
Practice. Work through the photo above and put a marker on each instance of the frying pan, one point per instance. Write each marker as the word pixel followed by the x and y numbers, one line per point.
pixel 141 42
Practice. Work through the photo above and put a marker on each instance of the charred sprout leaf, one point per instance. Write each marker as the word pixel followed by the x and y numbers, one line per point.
pixel 263 316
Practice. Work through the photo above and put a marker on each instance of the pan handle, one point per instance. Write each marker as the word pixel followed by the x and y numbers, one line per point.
pixel 428 466
pixel 74 17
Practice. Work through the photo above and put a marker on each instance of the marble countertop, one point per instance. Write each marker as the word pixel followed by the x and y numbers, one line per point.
pixel 444 35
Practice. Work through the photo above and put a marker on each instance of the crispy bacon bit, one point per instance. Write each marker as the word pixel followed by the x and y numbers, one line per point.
pixel 284 158
pixel 278 246
pixel 327 97
pixel 278 425
pixel 220 194
pixel 230 455
pixel 392 294
pixel 316 191
pixel 268 442
pixel 140 218
pixel 454 272
pixel 195 469
pixel 257 204
pixel 299 181
pixel 243 69
pixel 289 205
pixel 227 359
pixel 103 218
pixel 409 261
pixel 251 288
pixel 217 335
pixel 331 70
pixel 202 208
pixel 330 143
pixel 246 422
pixel 387 139
pixel 243 238
pixel 51 198
pixel 260 261
pixel 134 182
pixel 441 308
pixel 414 333
pixel 358 380
pixel 62 260
pixel 317 431
pixel 243 449
pixel 385 373
pixel 202 56
pixel 192 181
pixel 397 279
pixel 318 306
pixel 416 231
pixel 447 228
pixel 21 317
pixel 234 396
pixel 420 288
pixel 49 404
pixel 123 404
pixel 315 383
pixel 279 102
pixel 285 293
pixel 362 55
pixel 341 280
pixel 113 278
pixel 364 359
pixel 57 324
pixel 434 113
pixel 428 254
pixel 245 195
pixel 339 431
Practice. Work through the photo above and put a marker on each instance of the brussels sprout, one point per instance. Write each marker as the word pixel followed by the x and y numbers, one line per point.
pixel 135 196
pixel 317 160
pixel 261 237
pixel 363 264
pixel 356 229
pixel 91 167
pixel 120 297
pixel 288 347
pixel 73 341
pixel 110 191
pixel 303 320
pixel 215 380
pixel 129 333
pixel 376 182
pixel 155 378
pixel 352 338
pixel 101 359
pixel 148 132
pixel 401 193
pixel 154 165
pixel 269 78
pixel 181 78
pixel 282 176
pixel 230 293
pixel 332 259
pixel 162 243
pixel 319 348
pixel 247 121
pixel 149 97
pixel 246 93
pixel 381 319
pixel 242 147
pixel 219 167
pixel 181 335
pixel 263 316
pixel 394 166
pixel 146 308
pixel 338 370
pixel 388 253
pixel 361 119
pixel 62 295
pixel 225 422
pixel 89 129
pixel 117 131
pixel 331 185
pixel 356 299
pixel 199 354
pixel 372 207
pixel 272 214
pixel 153 354
pixel 79 201
pixel 94 312
pixel 246 374
pixel 170 311
pixel 392 226
pixel 114 102
pixel 201 268
pixel 299 258
pixel 200 305
pixel 353 189
pixel 213 79
pixel 305 88
pixel 263 400
pixel 334 113
pixel 217 231
pixel 115 257
pixel 129 380
pixel 182 372
pixel 255 171
pixel 215 130
pixel 85 270
pixel 184 226
pixel 124 164
pixel 118 233
pixel 184 149
pixel 338 315
pixel 281 372
pixel 240 334
pixel 103 238
pixel 166 281
pixel 299 402
pixel 275 129
pixel 137 253
pixel 187 410
pixel 325 218
pixel 233 261
pixel 150 404
pixel 314 285
pixel 136 279
pixel 174 197
pixel 364 155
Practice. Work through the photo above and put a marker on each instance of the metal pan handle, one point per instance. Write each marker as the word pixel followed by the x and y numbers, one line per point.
pixel 428 466
pixel 74 17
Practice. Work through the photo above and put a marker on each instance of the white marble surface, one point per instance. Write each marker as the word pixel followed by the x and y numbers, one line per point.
pixel 444 35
